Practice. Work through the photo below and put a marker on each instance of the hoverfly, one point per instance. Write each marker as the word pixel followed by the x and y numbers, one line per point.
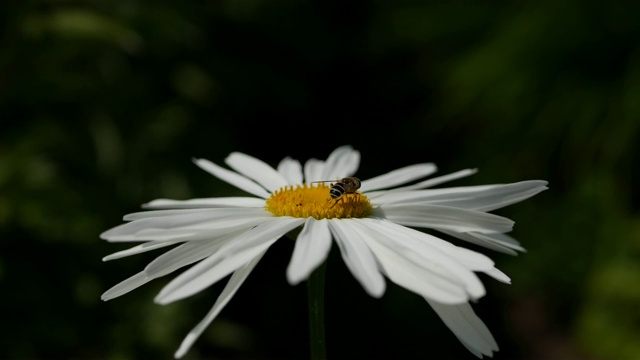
pixel 341 187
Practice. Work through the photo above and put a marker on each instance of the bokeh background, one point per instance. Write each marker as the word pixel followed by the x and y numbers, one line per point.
pixel 103 104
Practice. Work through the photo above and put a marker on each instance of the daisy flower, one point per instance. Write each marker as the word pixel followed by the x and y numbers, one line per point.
pixel 376 228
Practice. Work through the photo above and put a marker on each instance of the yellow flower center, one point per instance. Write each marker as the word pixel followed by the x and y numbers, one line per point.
pixel 303 201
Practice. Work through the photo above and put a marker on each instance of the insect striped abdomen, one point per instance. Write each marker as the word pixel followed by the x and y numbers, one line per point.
pixel 336 191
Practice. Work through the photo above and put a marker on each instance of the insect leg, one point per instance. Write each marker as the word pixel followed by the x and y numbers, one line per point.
pixel 341 198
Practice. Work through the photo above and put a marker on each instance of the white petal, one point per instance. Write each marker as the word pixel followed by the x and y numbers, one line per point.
pixel 276 227
pixel 138 249
pixel 424 184
pixel 155 213
pixel 232 178
pixel 406 272
pixel 419 267
pixel 311 249
pixel 166 263
pixel 170 236
pixel 467 327
pixel 228 292
pixel 313 170
pixel 225 202
pixel 444 217
pixel 425 243
pixel 358 257
pixel 207 272
pixel 427 246
pixel 183 255
pixel 470 259
pixel 498 275
pixel 499 242
pixel 177 235
pixel 186 224
pixel 440 179
pixel 125 286
pixel 398 177
pixel 480 198
pixel 342 162
pixel 510 194
pixel 234 254
pixel 291 170
pixel 257 170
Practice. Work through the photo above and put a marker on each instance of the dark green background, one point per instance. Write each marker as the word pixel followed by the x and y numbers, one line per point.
pixel 103 104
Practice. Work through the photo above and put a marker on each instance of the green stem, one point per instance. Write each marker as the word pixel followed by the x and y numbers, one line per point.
pixel 315 287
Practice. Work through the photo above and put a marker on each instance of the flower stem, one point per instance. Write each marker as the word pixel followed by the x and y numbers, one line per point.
pixel 315 292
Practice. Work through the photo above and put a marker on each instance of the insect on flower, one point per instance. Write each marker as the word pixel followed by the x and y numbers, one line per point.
pixel 348 185
pixel 380 240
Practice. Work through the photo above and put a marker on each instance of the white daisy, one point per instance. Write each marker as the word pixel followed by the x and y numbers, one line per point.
pixel 373 228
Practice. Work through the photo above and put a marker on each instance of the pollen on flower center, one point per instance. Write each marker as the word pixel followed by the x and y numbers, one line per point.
pixel 304 201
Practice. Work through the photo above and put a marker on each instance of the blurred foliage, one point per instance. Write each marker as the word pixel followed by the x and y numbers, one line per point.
pixel 103 104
